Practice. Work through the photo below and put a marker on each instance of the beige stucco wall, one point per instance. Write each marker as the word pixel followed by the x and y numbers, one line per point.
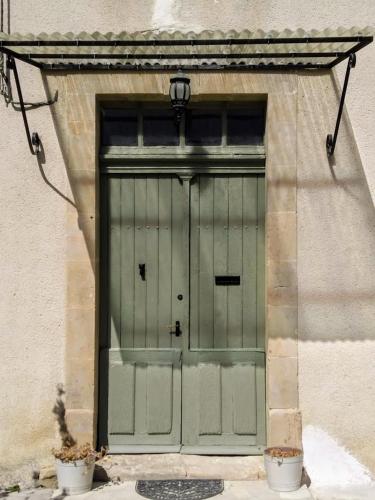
pixel 336 259
pixel 335 244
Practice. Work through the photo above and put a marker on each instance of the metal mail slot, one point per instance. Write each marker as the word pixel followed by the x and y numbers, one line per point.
pixel 227 280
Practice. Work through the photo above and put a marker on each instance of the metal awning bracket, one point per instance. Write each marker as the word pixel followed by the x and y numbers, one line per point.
pixel 331 140
pixel 236 51
pixel 33 139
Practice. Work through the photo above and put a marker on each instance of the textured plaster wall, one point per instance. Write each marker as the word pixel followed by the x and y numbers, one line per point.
pixel 32 289
pixel 336 276
pixel 336 222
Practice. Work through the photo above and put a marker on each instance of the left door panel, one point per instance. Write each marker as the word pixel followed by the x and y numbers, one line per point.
pixel 143 275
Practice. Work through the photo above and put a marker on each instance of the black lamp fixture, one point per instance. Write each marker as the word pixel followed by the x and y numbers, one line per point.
pixel 179 92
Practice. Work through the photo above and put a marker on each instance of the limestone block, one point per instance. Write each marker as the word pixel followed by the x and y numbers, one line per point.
pixel 281 187
pixel 281 144
pixel 227 468
pixel 80 236
pixel 80 333
pixel 282 383
pixel 81 107
pixel 285 428
pixel 82 151
pixel 282 108
pixel 83 186
pixel 240 83
pixel 282 331
pixel 47 477
pixel 176 466
pixel 80 377
pixel 82 83
pixel 281 131
pixel 81 424
pixel 145 466
pixel 282 282
pixel 80 284
pixel 281 236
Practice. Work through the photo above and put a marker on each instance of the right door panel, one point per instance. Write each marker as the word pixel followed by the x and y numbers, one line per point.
pixel 223 371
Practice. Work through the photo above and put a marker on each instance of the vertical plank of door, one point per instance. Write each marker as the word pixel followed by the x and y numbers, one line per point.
pixel 194 263
pixel 249 252
pixel 165 261
pixel 260 327
pixel 140 197
pixel 127 261
pixel 219 255
pixel 206 267
pixel 178 258
pixel 152 260
pixel 115 260
pixel 235 261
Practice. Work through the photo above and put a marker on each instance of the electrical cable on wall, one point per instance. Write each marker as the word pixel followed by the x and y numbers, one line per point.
pixel 5 89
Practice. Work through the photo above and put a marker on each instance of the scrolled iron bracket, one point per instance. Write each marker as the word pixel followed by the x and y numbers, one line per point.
pixel 331 140
pixel 32 139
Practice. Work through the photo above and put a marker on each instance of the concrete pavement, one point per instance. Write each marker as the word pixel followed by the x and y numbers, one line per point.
pixel 233 490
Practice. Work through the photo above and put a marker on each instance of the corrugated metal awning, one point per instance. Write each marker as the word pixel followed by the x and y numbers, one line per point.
pixel 206 50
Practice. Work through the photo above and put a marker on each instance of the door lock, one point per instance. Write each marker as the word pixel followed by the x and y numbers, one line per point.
pixel 177 330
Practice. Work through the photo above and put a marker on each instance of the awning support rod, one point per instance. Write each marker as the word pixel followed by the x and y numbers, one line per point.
pixel 33 139
pixel 185 42
pixel 331 141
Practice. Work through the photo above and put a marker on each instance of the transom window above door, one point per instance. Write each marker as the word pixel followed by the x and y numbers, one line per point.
pixel 210 126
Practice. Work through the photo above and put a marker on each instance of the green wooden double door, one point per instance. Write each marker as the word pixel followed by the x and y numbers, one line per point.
pixel 182 360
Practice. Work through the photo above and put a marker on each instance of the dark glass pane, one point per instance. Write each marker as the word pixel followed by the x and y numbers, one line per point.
pixel 160 128
pixel 203 128
pixel 246 127
pixel 119 127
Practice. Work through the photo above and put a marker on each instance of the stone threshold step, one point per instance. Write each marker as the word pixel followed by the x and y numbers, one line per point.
pixel 178 466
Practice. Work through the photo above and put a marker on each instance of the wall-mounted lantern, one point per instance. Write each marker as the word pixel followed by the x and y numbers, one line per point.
pixel 179 92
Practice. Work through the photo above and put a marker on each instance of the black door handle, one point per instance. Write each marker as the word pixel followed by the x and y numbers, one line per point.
pixel 177 331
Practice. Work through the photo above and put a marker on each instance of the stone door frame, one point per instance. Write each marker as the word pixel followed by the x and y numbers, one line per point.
pixel 76 121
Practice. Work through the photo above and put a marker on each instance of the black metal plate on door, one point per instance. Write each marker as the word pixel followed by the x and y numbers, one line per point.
pixel 227 280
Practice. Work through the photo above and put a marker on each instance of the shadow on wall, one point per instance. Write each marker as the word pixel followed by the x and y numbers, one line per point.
pixel 164 218
pixel 336 222
pixel 336 236
pixel 41 159
pixel 59 412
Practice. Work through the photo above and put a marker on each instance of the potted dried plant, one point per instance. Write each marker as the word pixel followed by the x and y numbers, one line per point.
pixel 283 468
pixel 74 464
pixel 75 468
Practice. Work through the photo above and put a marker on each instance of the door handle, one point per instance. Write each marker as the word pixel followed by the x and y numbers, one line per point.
pixel 177 330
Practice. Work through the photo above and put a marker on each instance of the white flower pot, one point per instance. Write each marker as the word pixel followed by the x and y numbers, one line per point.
pixel 283 474
pixel 75 477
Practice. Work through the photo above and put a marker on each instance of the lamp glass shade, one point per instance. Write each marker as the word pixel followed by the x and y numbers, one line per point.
pixel 180 88
pixel 172 92
pixel 179 93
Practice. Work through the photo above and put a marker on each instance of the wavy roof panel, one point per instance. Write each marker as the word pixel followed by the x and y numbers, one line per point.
pixel 207 49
